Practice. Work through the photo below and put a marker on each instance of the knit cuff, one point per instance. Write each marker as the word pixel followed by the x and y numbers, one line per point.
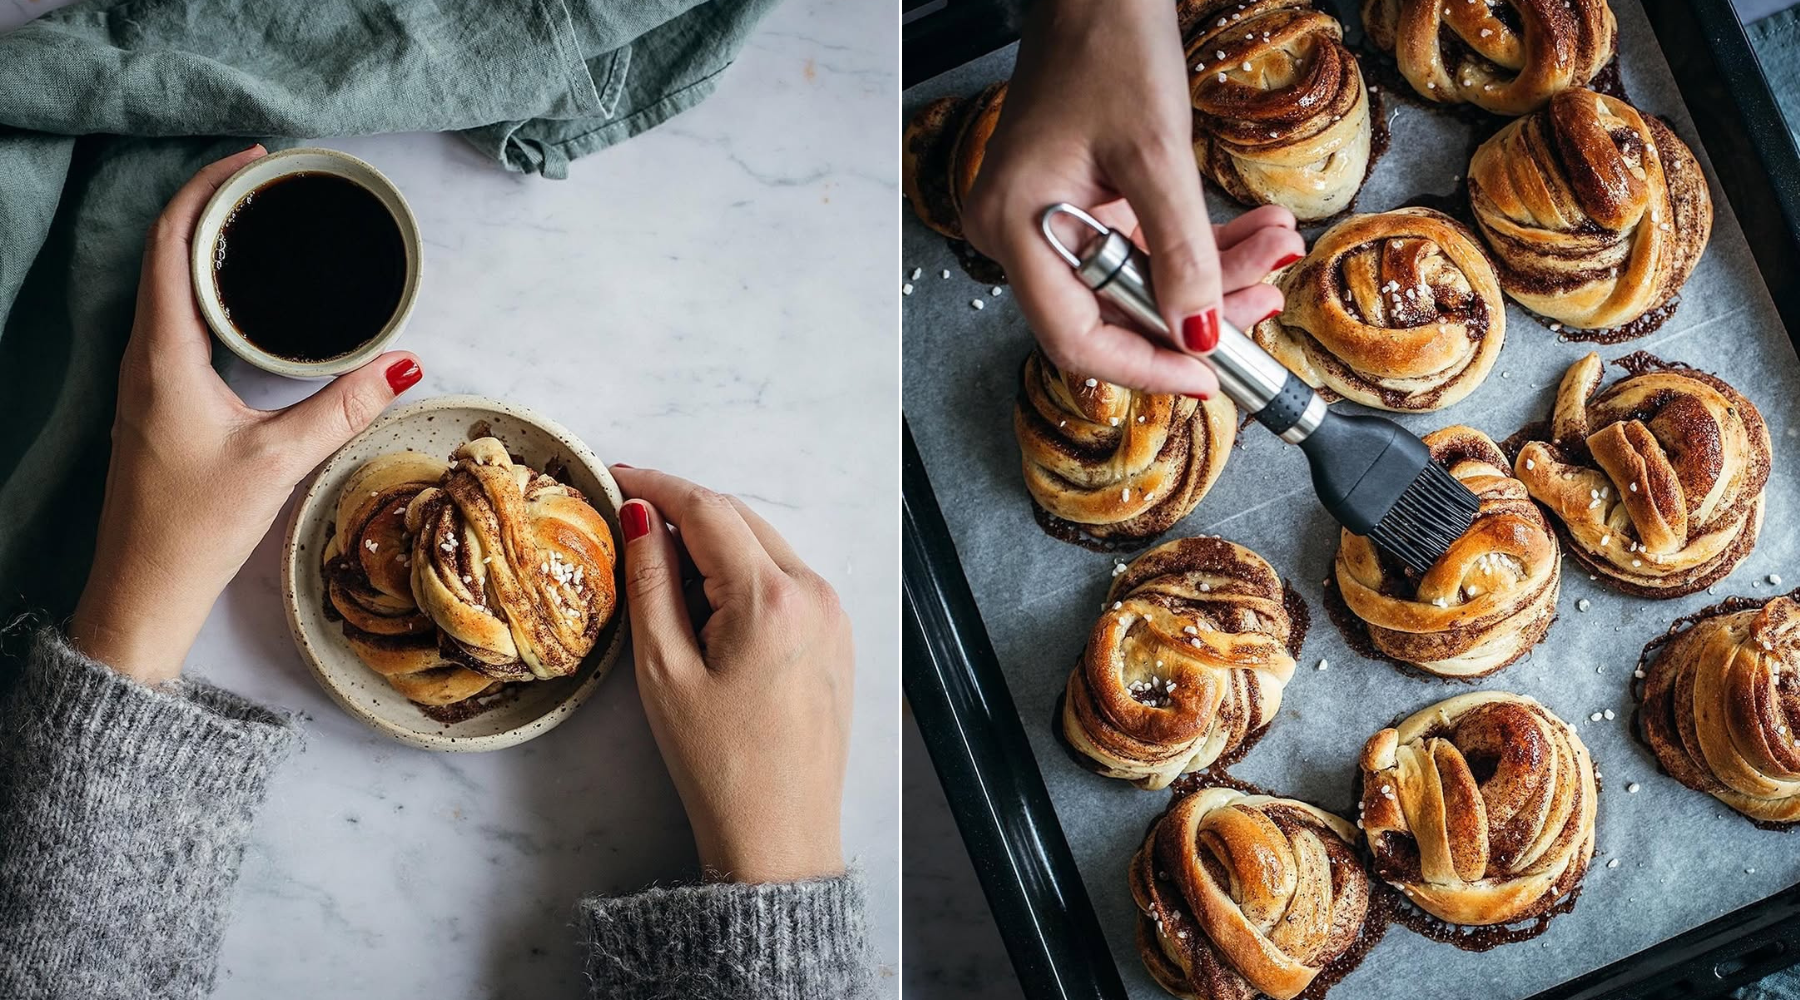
pixel 784 941
pixel 218 743
pixel 124 811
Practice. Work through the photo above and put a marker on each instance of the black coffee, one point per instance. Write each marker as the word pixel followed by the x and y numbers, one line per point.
pixel 310 266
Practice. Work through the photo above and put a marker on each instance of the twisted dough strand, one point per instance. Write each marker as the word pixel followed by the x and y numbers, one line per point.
pixel 1281 113
pixel 1596 212
pixel 1504 56
pixel 1399 311
pixel 1118 463
pixel 1246 895
pixel 1492 595
pixel 941 153
pixel 1721 703
pixel 1657 481
pixel 1186 664
pixel 1480 808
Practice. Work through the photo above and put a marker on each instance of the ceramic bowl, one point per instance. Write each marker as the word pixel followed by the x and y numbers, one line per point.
pixel 437 427
pixel 253 176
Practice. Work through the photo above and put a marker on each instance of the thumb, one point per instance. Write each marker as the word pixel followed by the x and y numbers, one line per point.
pixel 315 427
pixel 662 635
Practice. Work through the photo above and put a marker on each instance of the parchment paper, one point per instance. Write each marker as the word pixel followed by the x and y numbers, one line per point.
pixel 1684 858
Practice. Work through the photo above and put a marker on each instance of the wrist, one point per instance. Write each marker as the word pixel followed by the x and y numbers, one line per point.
pixel 135 626
pixel 788 861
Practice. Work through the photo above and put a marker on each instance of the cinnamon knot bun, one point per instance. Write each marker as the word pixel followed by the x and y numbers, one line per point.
pixel 1116 463
pixel 1480 809
pixel 1721 703
pixel 1281 116
pixel 1399 311
pixel 454 579
pixel 1597 213
pixel 1503 56
pixel 1492 595
pixel 941 152
pixel 515 567
pixel 1658 481
pixel 1186 663
pixel 1245 896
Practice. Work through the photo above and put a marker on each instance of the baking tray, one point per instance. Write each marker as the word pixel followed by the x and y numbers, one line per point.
pixel 979 742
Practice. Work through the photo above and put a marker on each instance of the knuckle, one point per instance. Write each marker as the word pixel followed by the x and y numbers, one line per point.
pixel 645 578
pixel 701 499
pixel 357 410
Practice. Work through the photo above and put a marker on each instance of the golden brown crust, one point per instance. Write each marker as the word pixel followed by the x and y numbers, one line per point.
pixel 1117 463
pixel 1488 600
pixel 1281 116
pixel 1720 705
pixel 941 153
pixel 1480 809
pixel 1246 895
pixel 1186 663
pixel 1508 57
pixel 1657 481
pixel 1399 311
pixel 1596 213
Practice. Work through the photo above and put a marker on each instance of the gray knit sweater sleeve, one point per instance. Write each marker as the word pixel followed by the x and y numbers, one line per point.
pixel 720 941
pixel 124 811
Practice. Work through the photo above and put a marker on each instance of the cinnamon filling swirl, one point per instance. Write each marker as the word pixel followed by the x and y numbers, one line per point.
pixel 1721 702
pixel 1491 597
pixel 1242 896
pixel 1113 462
pixel 1185 665
pixel 1596 213
pixel 941 154
pixel 1281 115
pixel 1480 809
pixel 454 579
pixel 1399 311
pixel 1658 481
pixel 1509 57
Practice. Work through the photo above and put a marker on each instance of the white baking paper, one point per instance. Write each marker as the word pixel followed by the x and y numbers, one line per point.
pixel 1683 858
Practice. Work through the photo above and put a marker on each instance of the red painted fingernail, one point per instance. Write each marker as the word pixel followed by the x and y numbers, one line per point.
pixel 1285 261
pixel 1200 332
pixel 1197 395
pixel 1272 314
pixel 636 519
pixel 622 465
pixel 403 375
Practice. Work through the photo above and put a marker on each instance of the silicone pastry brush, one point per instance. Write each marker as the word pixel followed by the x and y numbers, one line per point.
pixel 1375 477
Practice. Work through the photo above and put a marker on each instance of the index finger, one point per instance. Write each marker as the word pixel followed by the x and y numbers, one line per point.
pixel 1066 316
pixel 716 535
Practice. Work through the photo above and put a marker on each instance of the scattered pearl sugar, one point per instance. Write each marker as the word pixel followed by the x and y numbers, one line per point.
pixel 917 272
pixel 1632 789
pixel 977 304
pixel 906 289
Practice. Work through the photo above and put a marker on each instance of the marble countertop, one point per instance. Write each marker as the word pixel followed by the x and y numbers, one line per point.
pixel 715 298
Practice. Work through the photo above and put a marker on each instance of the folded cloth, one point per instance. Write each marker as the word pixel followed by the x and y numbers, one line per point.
pixel 1776 40
pixel 100 107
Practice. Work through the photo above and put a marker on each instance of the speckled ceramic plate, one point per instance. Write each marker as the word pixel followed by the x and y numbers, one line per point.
pixel 437 427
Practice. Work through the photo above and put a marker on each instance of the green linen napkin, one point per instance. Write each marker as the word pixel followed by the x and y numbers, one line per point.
pixel 108 106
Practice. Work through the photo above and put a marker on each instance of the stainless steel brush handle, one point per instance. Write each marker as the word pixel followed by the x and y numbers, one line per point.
pixel 1119 272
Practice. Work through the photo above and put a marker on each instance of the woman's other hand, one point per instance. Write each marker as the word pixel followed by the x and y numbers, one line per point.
pixel 196 476
pixel 752 711
pixel 1098 115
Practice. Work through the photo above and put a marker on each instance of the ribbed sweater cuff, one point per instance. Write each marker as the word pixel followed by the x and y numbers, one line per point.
pixel 784 941
pixel 124 811
pixel 219 744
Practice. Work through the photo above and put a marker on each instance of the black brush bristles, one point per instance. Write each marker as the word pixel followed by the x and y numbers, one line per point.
pixel 1427 519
